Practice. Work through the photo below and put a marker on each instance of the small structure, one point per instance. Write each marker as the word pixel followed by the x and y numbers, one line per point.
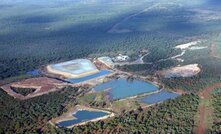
pixel 107 61
pixel 121 58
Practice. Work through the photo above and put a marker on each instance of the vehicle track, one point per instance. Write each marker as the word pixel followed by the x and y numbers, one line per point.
pixel 204 111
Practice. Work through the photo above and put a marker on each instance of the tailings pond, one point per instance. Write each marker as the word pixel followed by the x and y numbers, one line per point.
pixel 86 78
pixel 159 97
pixel 121 88
pixel 82 116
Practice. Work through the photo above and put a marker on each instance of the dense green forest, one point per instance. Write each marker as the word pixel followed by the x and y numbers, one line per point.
pixel 216 103
pixel 47 32
pixel 23 91
pixel 36 33
pixel 31 116
pixel 148 69
pixel 173 116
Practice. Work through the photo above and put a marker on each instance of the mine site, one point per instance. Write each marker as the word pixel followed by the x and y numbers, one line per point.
pixel 110 67
pixel 102 78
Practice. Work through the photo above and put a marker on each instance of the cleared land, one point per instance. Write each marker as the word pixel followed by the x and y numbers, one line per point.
pixel 184 47
pixel 215 50
pixel 215 47
pixel 205 109
pixel 187 45
pixel 42 85
pixel 182 71
pixel 106 61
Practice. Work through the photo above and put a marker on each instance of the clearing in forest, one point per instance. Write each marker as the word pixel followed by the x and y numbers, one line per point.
pixel 181 71
pixel 205 110
pixel 215 50
pixel 32 87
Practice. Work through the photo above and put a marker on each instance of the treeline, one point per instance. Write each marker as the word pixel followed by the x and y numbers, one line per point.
pixel 148 69
pixel 32 115
pixel 24 47
pixel 72 46
pixel 173 116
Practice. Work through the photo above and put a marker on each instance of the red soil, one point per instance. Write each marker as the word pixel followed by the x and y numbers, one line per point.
pixel 42 85
pixel 101 65
pixel 203 110
pixel 180 91
pixel 206 92
pixel 212 50
pixel 2 82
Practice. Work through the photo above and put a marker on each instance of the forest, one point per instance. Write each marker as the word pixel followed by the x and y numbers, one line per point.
pixel 216 103
pixel 37 33
pixel 23 91
pixel 47 32
pixel 168 117
pixel 209 65
pixel 32 116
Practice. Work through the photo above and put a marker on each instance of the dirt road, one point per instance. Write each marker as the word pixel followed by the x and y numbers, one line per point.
pixel 204 110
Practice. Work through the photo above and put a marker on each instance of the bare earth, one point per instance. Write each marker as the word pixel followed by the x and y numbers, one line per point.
pixel 181 71
pixel 204 110
pixel 213 51
pixel 42 85
pixel 184 47
pixel 187 45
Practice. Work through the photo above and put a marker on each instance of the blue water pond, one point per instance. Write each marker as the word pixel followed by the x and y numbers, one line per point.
pixel 35 72
pixel 82 116
pixel 78 80
pixel 159 97
pixel 121 88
